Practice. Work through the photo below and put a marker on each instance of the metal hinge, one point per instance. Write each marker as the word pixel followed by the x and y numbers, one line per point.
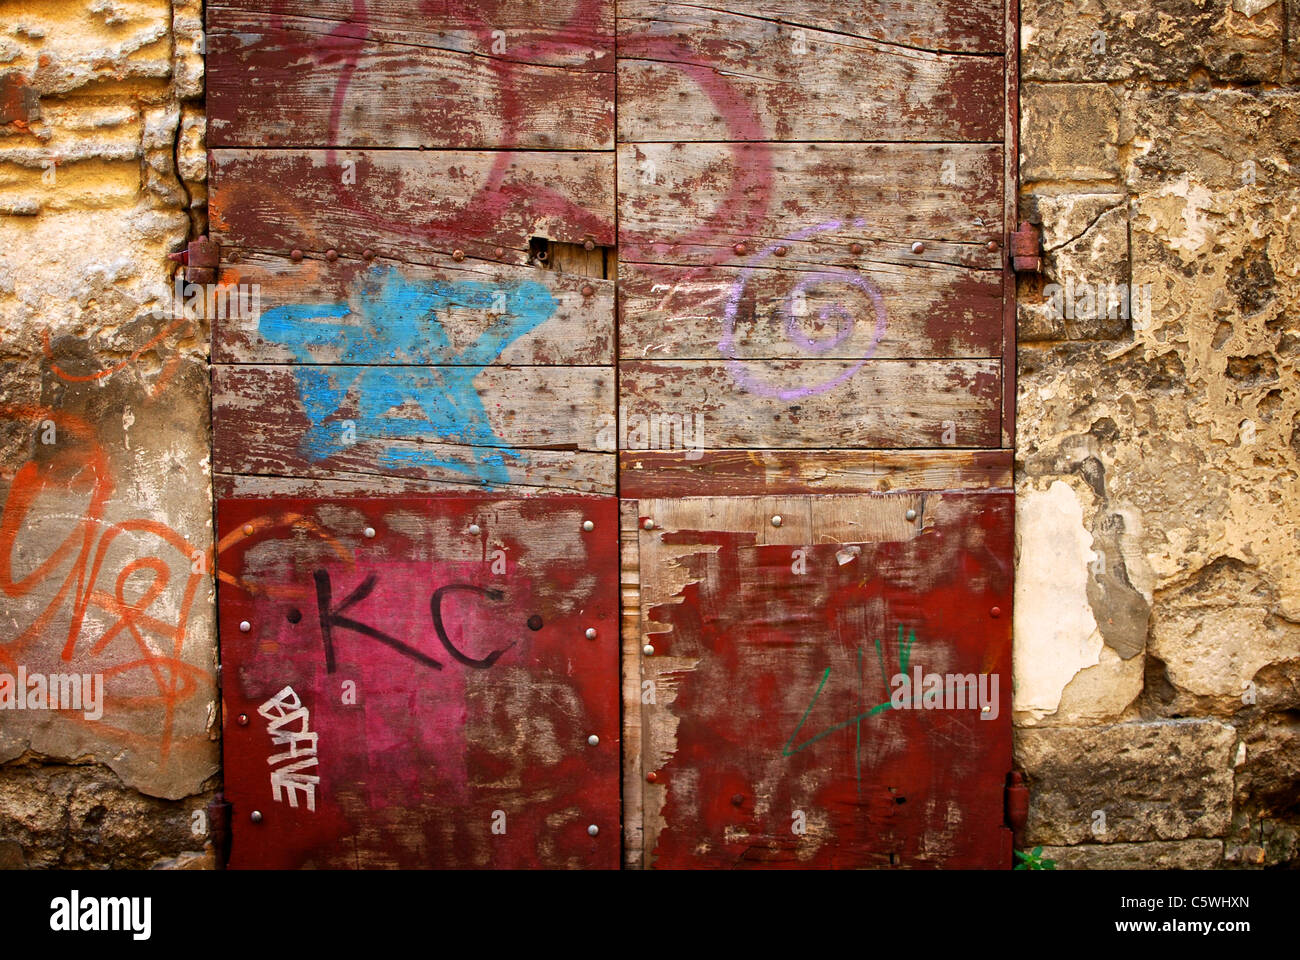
pixel 200 259
pixel 1016 801
pixel 1026 248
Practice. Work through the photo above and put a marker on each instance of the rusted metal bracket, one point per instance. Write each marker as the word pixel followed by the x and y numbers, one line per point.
pixel 200 259
pixel 1017 805
pixel 1026 248
pixel 219 829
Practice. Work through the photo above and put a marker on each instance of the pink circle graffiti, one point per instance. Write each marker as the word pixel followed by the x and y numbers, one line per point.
pixel 747 195
pixel 846 321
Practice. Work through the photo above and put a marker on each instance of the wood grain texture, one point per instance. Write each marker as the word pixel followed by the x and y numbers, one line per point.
pixel 283 81
pixel 773 742
pixel 578 35
pixel 500 427
pixel 403 314
pixel 630 638
pixel 688 72
pixel 691 203
pixel 410 205
pixel 648 474
pixel 879 403
pixel 415 687
pixel 778 311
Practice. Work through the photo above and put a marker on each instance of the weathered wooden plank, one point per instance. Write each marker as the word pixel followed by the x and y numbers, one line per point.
pixel 687 72
pixel 647 474
pixel 290 81
pixel 410 205
pixel 523 31
pixel 812 403
pixel 630 627
pixel 415 682
pixel 774 739
pixel 764 312
pixel 501 427
pixel 352 311
pixel 716 203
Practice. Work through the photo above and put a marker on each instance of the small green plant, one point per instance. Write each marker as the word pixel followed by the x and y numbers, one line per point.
pixel 1033 860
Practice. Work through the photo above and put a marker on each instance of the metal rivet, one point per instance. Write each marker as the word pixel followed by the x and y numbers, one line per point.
pixel 501 251
pixel 245 626
pixel 475 529
pixel 591 633
pixel 588 290
pixel 911 514
pixel 367 254
pixel 648 524
pixel 648 650
pixel 855 248
pixel 740 248
pixel 248 529
pixel 651 777
pixel 233 256
pixel 588 526
pixel 589 244
pixel 331 254
pixel 776 521
pixel 593 741
pixel 458 255
pixel 243 719
pixel 781 251
pixel 255 816
pixel 593 830
pixel 995 612
pixel 992 246
pixel 737 799
pixel 918 247
pixel 370 533
pixel 295 255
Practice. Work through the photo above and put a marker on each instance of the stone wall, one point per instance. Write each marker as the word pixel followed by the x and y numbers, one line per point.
pixel 105 537
pixel 1158 587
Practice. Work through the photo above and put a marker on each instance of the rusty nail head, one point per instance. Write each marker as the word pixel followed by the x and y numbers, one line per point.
pixel 243 719
pixel 855 248
pixel 992 245
pixel 781 251
pixel 740 248
pixel 588 290
pixel 737 799
pixel 245 626
pixel 255 816
pixel 501 251
pixel 588 526
pixel 295 255
pixel 918 247
pixel 458 255
pixel 995 612
pixel 331 254
pixel 591 633
pixel 233 256
pixel 367 254
pixel 589 244
pixel 248 529
pixel 651 777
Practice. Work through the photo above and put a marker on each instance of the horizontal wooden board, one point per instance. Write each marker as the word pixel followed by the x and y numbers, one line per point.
pixel 773 738
pixel 688 72
pixel 415 206
pixel 409 682
pixel 351 311
pixel 662 473
pixel 282 81
pixel 809 403
pixel 842 312
pixel 500 427
pixel 524 31
pixel 692 203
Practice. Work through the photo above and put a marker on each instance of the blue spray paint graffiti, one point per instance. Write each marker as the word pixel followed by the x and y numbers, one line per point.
pixel 396 321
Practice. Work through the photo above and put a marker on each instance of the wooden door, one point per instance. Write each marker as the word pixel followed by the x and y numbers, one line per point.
pixel 740 271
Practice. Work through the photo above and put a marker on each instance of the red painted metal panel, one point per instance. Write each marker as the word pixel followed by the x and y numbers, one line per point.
pixel 780 737
pixel 409 682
